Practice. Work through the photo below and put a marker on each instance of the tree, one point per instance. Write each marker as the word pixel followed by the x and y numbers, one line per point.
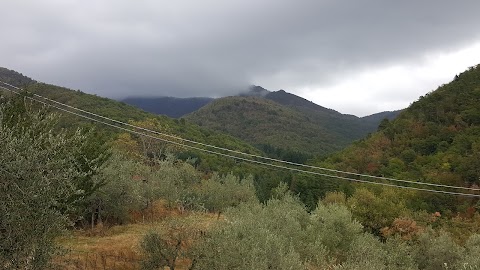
pixel 377 211
pixel 218 193
pixel 436 252
pixel 472 249
pixel 165 246
pixel 334 227
pixel 121 193
pixel 255 236
pixel 37 172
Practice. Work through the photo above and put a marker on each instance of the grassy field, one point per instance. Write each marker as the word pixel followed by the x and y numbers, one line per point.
pixel 118 247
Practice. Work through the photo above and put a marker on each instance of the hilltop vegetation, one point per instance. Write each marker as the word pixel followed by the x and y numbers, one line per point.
pixel 280 233
pixel 130 114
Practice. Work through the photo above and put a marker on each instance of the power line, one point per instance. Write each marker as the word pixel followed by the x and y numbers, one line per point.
pixel 248 154
pixel 244 159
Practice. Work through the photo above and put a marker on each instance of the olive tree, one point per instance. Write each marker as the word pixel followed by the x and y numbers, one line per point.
pixel 256 236
pixel 37 172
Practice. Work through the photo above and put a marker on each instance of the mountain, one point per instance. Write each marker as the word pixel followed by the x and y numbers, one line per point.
pixel 169 106
pixel 284 121
pixel 436 139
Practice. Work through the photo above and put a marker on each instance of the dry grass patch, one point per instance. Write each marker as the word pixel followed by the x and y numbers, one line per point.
pixel 118 247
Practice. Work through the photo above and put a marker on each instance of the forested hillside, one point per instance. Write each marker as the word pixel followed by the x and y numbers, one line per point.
pixel 127 113
pixel 437 140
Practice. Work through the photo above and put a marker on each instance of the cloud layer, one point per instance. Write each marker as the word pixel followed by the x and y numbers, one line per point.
pixel 118 48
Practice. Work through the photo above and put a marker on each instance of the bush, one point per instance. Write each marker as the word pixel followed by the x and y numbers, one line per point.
pixel 333 226
pixel 256 236
pixel 218 193
pixel 436 252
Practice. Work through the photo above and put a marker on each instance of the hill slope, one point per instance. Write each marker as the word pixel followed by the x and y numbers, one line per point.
pixel 436 139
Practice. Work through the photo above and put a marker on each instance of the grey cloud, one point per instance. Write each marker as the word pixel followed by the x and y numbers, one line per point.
pixel 214 48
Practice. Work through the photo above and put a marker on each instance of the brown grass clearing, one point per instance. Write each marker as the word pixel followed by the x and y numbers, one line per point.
pixel 118 247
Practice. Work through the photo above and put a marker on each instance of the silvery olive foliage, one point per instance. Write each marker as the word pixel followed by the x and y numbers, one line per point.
pixel 37 171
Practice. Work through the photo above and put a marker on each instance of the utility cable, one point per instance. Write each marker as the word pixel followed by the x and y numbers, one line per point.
pixel 241 158
pixel 247 154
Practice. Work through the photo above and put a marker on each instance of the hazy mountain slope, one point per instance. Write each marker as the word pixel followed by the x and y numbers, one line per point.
pixel 262 121
pixel 297 102
pixel 169 106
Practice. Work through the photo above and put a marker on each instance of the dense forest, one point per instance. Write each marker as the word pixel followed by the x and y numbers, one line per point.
pixel 67 182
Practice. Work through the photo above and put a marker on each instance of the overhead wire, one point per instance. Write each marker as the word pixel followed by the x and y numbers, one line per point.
pixel 236 157
pixel 248 154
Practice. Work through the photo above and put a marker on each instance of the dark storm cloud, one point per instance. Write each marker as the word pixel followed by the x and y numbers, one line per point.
pixel 214 48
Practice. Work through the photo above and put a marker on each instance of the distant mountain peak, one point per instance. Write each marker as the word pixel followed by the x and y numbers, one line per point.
pixel 256 91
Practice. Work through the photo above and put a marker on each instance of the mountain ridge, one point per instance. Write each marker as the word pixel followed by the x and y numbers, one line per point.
pixel 183 106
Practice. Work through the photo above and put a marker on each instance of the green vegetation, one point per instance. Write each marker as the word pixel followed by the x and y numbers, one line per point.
pixel 282 234
pixel 55 178
pixel 44 175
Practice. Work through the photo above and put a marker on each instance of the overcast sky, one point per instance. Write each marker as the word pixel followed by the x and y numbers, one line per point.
pixel 357 56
